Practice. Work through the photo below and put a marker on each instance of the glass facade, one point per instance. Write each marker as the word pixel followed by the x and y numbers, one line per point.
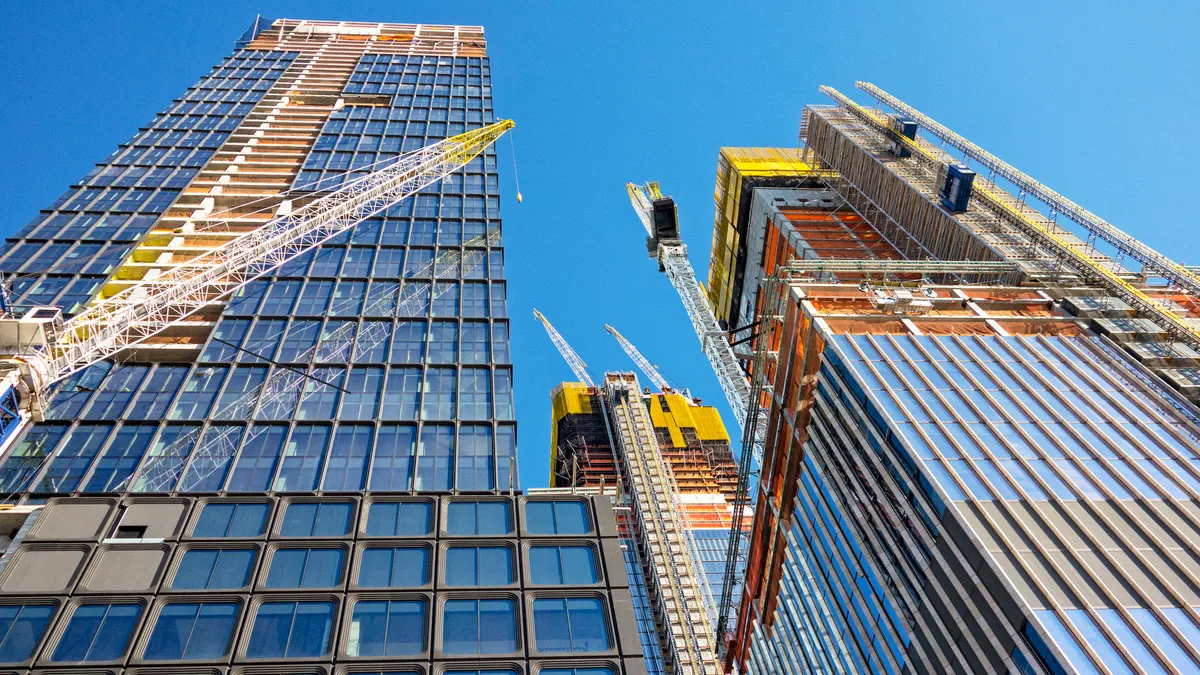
pixel 320 470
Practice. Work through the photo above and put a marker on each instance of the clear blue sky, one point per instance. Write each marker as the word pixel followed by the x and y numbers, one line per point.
pixel 1097 99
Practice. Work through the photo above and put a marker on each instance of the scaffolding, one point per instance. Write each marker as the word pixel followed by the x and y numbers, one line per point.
pixel 682 594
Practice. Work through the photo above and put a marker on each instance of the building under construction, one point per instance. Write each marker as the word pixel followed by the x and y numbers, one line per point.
pixel 665 460
pixel 975 406
pixel 686 478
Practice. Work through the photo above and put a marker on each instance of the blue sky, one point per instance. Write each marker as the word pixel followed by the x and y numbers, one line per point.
pixel 1096 99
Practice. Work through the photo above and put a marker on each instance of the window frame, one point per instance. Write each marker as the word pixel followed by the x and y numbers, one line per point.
pixel 588 515
pixel 360 555
pixel 43 635
pixel 54 643
pixel 204 504
pixel 273 552
pixel 212 545
pixel 352 602
pixel 606 612
pixel 518 624
pixel 153 617
pixel 527 547
pixel 444 558
pixel 350 525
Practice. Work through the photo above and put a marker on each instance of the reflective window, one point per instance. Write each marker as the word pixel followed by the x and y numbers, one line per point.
pixel 97 633
pixel 556 517
pixel 569 625
pixel 383 628
pixel 479 627
pixel 305 568
pixel 21 626
pixel 478 518
pixel 213 568
pixel 394 567
pixel 399 519
pixel 324 519
pixel 478 566
pixel 563 565
pixel 291 630
pixel 192 631
pixel 231 520
pixel 392 465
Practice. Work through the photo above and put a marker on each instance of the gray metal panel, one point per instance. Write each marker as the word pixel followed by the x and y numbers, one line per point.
pixel 614 563
pixel 626 623
pixel 44 569
pixel 125 569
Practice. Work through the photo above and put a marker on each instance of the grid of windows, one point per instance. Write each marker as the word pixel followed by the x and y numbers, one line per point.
pixel 63 255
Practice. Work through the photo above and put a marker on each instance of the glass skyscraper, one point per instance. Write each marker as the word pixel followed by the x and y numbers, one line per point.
pixel 322 469
pixel 981 437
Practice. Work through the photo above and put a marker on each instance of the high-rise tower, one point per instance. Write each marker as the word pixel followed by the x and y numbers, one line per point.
pixel 979 429
pixel 320 472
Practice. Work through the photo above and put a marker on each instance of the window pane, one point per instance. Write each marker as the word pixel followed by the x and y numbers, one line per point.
pixel 562 565
pixel 192 631
pixel 382 628
pixel 306 568
pixel 97 633
pixel 403 519
pixel 570 625
pixel 478 627
pixel 213 568
pixel 481 518
pixel 545 517
pixel 21 627
pixel 291 630
pixel 316 520
pixel 394 567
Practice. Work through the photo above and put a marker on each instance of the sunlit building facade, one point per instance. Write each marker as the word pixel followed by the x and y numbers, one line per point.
pixel 319 473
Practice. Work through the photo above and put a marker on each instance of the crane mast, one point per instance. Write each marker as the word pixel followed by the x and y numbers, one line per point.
pixel 577 365
pixel 659 217
pixel 642 363
pixel 43 349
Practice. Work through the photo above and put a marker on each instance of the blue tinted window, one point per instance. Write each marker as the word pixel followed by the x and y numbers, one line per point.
pixel 305 568
pixel 575 671
pixel 569 625
pixel 192 631
pixel 479 518
pixel 567 517
pixel 479 627
pixel 395 628
pixel 399 519
pixel 1076 657
pixel 214 568
pixel 231 520
pixel 1163 638
pixel 562 565
pixel 479 566
pixel 97 633
pixel 394 567
pixel 291 630
pixel 21 627
pixel 316 520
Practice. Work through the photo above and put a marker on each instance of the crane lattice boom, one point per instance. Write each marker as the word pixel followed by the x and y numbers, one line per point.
pixel 642 363
pixel 145 309
pixel 577 365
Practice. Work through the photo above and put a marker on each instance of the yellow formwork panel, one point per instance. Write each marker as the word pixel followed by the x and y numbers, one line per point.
pixel 733 165
pixel 568 398
pixel 665 420
pixel 709 426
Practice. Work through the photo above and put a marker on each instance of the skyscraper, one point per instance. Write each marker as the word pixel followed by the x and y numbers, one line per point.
pixel 320 470
pixel 980 439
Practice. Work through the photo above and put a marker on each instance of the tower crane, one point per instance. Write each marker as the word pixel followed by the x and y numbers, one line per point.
pixel 661 220
pixel 577 365
pixel 642 363
pixel 40 348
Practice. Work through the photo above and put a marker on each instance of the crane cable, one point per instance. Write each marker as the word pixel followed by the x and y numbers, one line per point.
pixel 513 145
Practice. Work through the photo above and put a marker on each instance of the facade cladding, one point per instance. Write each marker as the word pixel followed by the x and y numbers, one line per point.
pixel 245 488
pixel 982 477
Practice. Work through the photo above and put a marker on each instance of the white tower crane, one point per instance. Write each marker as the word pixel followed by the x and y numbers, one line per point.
pixel 577 365
pixel 659 217
pixel 642 363
pixel 39 348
